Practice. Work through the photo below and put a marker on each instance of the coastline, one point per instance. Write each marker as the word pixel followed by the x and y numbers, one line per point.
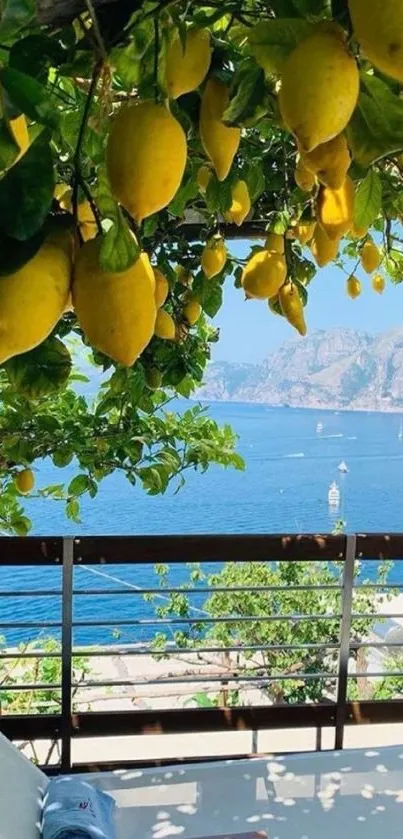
pixel 298 407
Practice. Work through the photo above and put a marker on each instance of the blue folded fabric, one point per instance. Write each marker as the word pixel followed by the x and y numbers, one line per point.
pixel 74 809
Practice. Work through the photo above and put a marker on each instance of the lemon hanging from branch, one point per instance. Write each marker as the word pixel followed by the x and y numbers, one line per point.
pixel 220 141
pixel 146 158
pixel 187 64
pixel 320 86
pixel 264 274
pixel 291 307
pixel 214 256
pixel 371 256
pixel 378 28
pixel 33 299
pixel 116 311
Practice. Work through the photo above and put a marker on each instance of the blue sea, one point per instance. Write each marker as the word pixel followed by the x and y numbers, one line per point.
pixel 284 488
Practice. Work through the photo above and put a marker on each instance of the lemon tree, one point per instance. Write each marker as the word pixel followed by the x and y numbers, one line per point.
pixel 136 140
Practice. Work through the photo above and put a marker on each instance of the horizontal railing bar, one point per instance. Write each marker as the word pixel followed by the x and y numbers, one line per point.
pixel 183 549
pixel 189 621
pixel 202 589
pixel 376 674
pixel 173 651
pixel 13 688
pixel 31 593
pixel 356 645
pixel 228 678
pixel 30 624
pixel 375 617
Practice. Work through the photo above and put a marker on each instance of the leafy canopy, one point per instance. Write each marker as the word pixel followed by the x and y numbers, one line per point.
pixel 65 70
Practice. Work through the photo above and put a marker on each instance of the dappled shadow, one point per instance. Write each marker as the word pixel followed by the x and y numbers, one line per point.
pixel 295 797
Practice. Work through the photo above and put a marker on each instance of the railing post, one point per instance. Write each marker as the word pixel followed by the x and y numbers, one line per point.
pixel 345 629
pixel 67 645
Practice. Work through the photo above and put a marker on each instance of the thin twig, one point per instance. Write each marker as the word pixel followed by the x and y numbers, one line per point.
pixel 97 31
pixel 77 154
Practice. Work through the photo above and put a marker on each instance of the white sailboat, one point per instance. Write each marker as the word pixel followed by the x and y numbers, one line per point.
pixel 400 434
pixel 319 428
pixel 333 495
pixel 342 467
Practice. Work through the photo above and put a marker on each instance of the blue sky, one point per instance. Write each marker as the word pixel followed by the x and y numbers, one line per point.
pixel 249 331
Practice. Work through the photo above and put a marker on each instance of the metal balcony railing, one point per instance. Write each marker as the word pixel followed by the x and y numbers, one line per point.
pixel 48 574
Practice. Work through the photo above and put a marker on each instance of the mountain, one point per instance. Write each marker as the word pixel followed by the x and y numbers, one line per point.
pixel 340 369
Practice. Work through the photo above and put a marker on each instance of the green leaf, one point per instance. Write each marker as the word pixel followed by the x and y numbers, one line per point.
pixel 62 457
pixel 127 65
pixel 368 200
pixel 79 485
pixel 218 195
pixel 26 191
pixel 119 249
pixel 255 179
pixel 250 92
pixel 185 194
pixel 376 128
pixel 16 15
pixel 29 96
pixel 271 41
pixel 42 371
pixel 210 294
pixel 73 510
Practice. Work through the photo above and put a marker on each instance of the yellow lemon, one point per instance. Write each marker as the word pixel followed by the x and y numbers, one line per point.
pixel 324 250
pixel 320 86
pixel 378 27
pixel 292 308
pixel 203 177
pixel 353 287
pixel 186 66
pixel 305 179
pixel 116 311
pixel 192 311
pixel 146 158
pixel 304 231
pixel 358 232
pixel 240 206
pixel 165 326
pixel 264 274
pixel 33 299
pixel 161 288
pixel 220 142
pixel 371 256
pixel 378 283
pixel 335 209
pixel 330 162
pixel 25 481
pixel 275 242
pixel 214 256
pixel 19 130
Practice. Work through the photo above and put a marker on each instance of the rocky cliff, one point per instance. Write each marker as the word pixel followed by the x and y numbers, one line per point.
pixel 340 369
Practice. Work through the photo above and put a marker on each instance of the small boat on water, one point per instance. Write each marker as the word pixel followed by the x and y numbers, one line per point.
pixel 333 495
pixel 342 467
pixel 400 434
pixel 319 428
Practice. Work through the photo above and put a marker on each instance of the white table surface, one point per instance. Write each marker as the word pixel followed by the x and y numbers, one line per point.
pixel 357 794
